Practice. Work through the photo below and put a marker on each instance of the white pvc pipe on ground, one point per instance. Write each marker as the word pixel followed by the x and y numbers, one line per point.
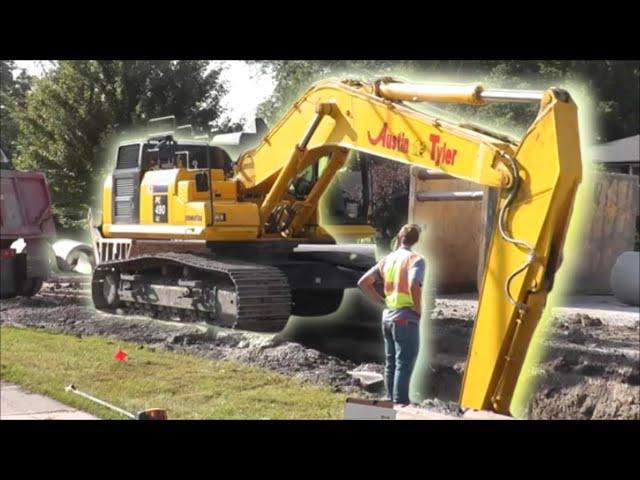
pixel 625 278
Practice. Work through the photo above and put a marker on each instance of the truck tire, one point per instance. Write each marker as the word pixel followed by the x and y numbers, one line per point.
pixel 31 286
pixel 8 287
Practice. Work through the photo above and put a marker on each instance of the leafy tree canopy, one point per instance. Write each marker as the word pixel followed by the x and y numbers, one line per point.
pixel 12 98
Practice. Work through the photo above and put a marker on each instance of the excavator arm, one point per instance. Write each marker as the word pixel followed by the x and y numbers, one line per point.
pixel 536 177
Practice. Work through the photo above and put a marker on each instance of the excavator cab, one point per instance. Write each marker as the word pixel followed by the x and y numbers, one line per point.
pixel 345 209
pixel 158 153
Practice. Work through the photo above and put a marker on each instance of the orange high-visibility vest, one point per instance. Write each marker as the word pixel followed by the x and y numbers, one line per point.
pixel 394 269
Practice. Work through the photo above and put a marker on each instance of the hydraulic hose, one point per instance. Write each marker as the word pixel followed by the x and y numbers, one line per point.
pixel 531 254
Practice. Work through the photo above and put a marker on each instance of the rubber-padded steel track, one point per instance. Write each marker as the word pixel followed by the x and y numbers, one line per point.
pixel 263 292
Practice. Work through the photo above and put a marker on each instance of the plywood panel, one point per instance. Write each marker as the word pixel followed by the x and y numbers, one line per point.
pixel 452 233
pixel 455 232
pixel 614 208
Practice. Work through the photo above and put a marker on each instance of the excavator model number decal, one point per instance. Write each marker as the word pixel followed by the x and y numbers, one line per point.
pixel 160 209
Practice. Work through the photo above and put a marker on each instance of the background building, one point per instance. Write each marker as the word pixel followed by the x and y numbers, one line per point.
pixel 619 156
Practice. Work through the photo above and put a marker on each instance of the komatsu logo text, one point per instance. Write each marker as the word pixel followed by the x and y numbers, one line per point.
pixel 389 140
pixel 440 153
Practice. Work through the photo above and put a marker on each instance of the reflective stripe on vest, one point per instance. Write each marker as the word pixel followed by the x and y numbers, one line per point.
pixel 395 272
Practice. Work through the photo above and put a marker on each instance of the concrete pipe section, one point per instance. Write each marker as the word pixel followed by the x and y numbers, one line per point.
pixel 70 256
pixel 625 278
pixel 74 256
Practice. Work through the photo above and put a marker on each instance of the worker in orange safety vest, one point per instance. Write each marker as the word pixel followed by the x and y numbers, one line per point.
pixel 402 273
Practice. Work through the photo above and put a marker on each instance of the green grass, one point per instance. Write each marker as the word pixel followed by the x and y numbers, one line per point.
pixel 188 387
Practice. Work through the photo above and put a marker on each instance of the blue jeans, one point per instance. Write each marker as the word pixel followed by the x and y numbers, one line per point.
pixel 401 344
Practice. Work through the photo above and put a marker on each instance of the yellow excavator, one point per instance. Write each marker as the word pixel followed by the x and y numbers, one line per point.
pixel 187 230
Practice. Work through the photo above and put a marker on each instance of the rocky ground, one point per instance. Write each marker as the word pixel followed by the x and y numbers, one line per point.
pixel 590 369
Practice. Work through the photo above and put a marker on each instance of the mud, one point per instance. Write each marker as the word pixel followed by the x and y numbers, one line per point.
pixel 596 375
pixel 449 408
pixel 590 369
pixel 587 398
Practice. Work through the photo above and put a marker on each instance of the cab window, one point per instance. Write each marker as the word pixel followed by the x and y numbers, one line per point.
pixel 128 156
pixel 220 159
pixel 193 157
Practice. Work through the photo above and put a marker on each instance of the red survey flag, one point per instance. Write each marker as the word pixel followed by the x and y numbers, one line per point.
pixel 120 355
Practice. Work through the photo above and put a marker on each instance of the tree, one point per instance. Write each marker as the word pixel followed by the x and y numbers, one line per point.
pixel 612 88
pixel 12 98
pixel 293 77
pixel 76 112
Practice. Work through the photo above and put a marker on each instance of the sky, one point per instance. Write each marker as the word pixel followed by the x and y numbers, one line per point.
pixel 248 87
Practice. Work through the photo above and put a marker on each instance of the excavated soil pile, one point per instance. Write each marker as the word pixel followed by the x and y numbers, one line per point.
pixel 591 371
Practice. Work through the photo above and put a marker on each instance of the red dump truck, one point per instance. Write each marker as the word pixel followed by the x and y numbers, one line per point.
pixel 25 213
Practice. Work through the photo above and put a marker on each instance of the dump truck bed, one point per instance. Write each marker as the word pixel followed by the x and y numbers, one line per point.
pixel 25 206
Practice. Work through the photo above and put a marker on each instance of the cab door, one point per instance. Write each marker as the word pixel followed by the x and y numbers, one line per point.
pixel 197 162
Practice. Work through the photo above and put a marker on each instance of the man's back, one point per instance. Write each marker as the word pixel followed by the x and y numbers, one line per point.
pixel 399 271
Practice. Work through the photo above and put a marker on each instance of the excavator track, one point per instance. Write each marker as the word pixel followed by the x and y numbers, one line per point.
pixel 226 292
